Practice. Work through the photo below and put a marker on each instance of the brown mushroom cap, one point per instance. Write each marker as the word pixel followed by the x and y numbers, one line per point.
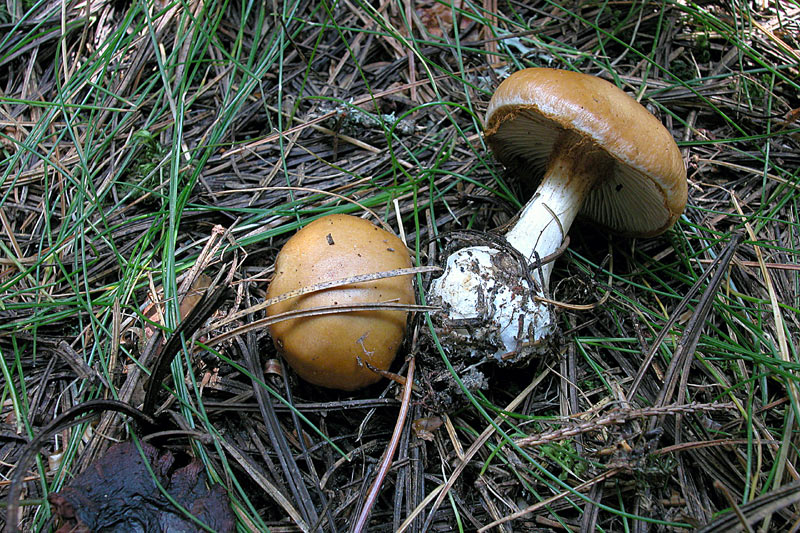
pixel 324 350
pixel 643 189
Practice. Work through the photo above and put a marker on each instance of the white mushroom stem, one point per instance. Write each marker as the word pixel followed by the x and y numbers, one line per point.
pixel 546 218
pixel 486 301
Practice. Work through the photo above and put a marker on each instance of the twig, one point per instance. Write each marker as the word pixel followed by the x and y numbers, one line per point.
pixel 616 417
pixel 361 522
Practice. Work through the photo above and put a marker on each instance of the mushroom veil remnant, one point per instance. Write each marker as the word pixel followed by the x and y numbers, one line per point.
pixel 334 350
pixel 598 152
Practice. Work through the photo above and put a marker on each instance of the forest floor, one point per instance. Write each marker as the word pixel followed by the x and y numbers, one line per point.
pixel 149 148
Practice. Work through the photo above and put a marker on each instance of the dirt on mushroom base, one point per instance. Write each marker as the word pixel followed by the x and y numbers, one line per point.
pixel 470 344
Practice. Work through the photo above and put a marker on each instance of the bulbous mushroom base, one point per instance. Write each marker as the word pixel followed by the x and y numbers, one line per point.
pixel 488 307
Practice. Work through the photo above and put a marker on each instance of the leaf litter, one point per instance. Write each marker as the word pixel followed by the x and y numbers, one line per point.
pixel 98 158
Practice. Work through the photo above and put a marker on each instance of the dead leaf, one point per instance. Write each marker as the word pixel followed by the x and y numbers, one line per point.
pixel 438 18
pixel 154 311
pixel 117 494
pixel 424 427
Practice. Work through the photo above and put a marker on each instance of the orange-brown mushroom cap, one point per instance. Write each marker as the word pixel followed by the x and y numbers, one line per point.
pixel 643 188
pixel 325 350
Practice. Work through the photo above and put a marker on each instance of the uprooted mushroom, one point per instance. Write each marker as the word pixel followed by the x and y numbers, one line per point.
pixel 598 152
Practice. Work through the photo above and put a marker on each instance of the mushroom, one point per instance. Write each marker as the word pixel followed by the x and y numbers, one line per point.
pixel 601 154
pixel 337 350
